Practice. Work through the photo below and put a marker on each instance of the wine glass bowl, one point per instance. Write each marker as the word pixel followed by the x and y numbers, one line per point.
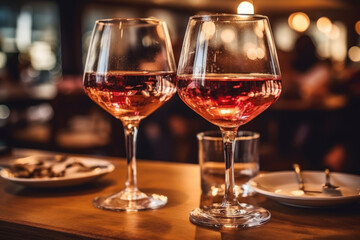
pixel 129 72
pixel 228 73
pixel 130 67
pixel 229 100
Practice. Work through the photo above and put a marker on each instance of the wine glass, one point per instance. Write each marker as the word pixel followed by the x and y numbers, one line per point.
pixel 229 73
pixel 129 72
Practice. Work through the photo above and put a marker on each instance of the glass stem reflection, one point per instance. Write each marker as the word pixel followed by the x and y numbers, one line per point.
pixel 228 136
pixel 131 130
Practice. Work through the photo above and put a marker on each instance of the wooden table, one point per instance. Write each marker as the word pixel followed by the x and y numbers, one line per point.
pixel 68 213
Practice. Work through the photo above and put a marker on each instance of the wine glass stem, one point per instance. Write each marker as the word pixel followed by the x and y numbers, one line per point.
pixel 131 130
pixel 229 147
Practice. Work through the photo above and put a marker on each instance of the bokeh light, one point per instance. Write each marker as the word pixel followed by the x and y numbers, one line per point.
pixel 354 54
pixel 40 113
pixel 227 35
pixel 260 53
pixel 299 21
pixel 259 29
pixel 3 59
pixel 245 7
pixel 357 27
pixel 335 32
pixel 207 30
pixel 4 112
pixel 282 29
pixel 251 54
pixel 324 25
pixel 42 56
pixel 338 36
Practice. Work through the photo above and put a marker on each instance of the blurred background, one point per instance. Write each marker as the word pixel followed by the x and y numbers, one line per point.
pixel 43 46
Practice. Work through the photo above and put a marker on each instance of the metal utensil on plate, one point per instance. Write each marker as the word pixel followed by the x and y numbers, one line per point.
pixel 329 188
pixel 300 180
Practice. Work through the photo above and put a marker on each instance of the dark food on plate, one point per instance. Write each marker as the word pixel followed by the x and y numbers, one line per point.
pixel 48 167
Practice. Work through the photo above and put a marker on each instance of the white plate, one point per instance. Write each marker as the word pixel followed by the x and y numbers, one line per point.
pixel 283 187
pixel 74 178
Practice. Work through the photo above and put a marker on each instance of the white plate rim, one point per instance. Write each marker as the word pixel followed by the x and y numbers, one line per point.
pixel 253 183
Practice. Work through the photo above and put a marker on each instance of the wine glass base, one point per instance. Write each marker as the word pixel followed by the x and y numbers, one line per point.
pixel 135 201
pixel 218 217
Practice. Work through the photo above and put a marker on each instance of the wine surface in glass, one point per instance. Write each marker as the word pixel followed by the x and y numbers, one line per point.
pixel 229 100
pixel 130 95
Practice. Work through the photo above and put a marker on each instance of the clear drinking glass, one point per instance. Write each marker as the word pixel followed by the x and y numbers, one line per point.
pixel 229 73
pixel 211 160
pixel 129 72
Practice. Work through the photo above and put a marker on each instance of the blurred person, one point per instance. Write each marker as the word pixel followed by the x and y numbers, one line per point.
pixel 312 132
pixel 310 73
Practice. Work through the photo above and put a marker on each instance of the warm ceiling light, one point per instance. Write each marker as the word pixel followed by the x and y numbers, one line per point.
pixel 299 21
pixel 324 25
pixel 354 54
pixel 357 27
pixel 245 7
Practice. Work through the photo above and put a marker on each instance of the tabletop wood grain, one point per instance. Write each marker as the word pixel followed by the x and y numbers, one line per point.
pixel 67 213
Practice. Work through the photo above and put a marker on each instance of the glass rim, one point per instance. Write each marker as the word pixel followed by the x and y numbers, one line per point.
pixel 110 21
pixel 239 17
pixel 245 135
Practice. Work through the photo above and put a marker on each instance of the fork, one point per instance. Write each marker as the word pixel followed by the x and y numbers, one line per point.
pixel 329 188
pixel 301 181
